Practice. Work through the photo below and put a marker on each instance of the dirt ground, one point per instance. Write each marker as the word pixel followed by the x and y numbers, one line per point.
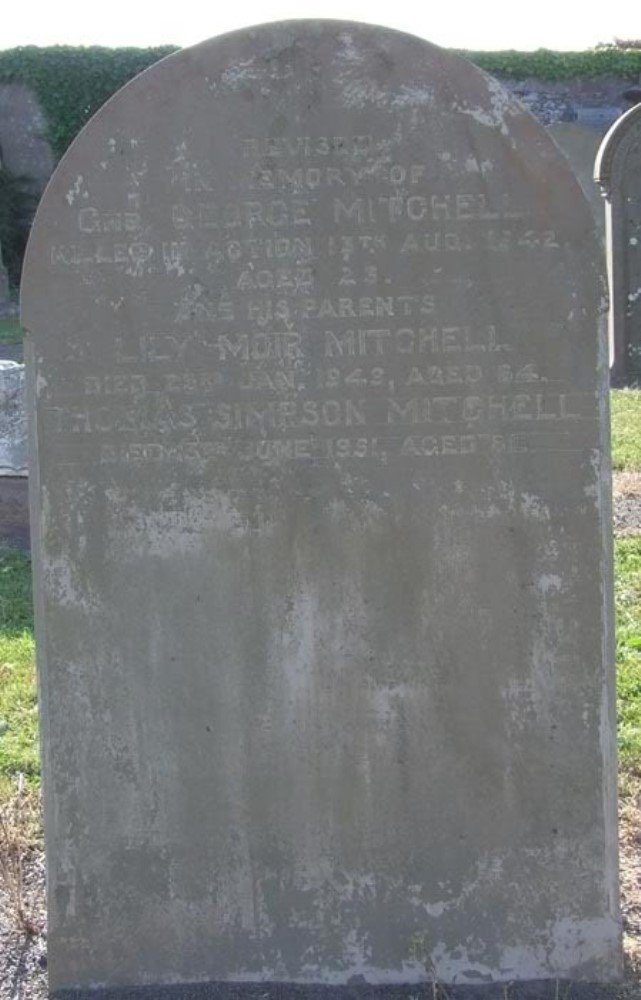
pixel 626 506
pixel 630 879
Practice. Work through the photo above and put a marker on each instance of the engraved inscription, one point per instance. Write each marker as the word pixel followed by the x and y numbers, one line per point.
pixel 316 316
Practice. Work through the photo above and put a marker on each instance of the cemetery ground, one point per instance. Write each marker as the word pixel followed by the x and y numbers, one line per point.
pixel 22 908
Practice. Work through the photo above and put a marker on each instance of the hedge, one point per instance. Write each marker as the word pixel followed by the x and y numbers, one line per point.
pixel 545 64
pixel 72 83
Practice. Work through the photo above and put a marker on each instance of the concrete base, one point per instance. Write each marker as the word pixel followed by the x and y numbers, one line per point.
pixel 12 352
pixel 535 990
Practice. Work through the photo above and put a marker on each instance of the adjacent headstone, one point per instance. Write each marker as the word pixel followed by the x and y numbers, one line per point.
pixel 14 506
pixel 24 147
pixel 323 568
pixel 618 171
pixel 13 420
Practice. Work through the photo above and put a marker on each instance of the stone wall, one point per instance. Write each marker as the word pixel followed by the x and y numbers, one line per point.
pixel 595 102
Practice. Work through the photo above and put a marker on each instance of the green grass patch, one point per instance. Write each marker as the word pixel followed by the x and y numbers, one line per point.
pixel 627 587
pixel 18 703
pixel 16 606
pixel 625 408
pixel 10 331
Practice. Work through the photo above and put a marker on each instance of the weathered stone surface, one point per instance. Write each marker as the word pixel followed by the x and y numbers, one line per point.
pixel 322 534
pixel 618 171
pixel 13 420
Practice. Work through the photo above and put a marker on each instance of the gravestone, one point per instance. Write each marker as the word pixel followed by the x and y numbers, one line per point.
pixel 14 504
pixel 24 147
pixel 323 568
pixel 13 420
pixel 618 171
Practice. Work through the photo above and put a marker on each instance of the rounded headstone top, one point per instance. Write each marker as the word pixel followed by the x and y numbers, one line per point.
pixel 246 199
pixel 265 132
pixel 615 143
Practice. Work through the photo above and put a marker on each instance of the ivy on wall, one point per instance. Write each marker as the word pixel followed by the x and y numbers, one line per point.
pixel 545 64
pixel 72 83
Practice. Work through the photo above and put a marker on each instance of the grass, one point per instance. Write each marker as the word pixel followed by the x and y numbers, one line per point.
pixel 10 331
pixel 18 707
pixel 20 820
pixel 628 612
pixel 626 429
